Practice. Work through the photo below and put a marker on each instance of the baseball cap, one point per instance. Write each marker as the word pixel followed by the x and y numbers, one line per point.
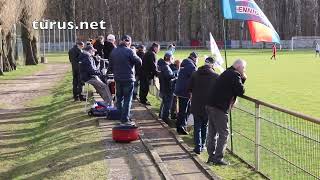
pixel 89 47
pixel 111 37
pixel 167 54
pixel 209 60
pixel 126 38
pixel 194 55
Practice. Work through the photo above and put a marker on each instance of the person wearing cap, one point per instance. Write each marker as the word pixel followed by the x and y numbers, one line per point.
pixel 148 71
pixel 166 76
pixel 203 78
pixel 122 61
pixel 109 45
pixel 90 72
pixel 188 66
pixel 74 54
pixel 222 97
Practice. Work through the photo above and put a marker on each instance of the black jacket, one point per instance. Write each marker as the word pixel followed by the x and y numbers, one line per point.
pixel 88 69
pixel 99 47
pixel 149 68
pixel 74 54
pixel 165 77
pixel 203 78
pixel 228 86
pixel 138 68
pixel 107 48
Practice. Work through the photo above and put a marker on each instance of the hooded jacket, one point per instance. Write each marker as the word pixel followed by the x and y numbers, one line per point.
pixel 201 80
pixel 187 67
pixel 165 77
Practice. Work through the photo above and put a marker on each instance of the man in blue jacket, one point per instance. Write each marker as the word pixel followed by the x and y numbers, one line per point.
pixel 166 77
pixel 90 72
pixel 188 66
pixel 122 62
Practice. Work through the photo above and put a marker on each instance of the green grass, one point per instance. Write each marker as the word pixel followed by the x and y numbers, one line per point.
pixel 237 169
pixel 291 81
pixel 22 71
pixel 54 140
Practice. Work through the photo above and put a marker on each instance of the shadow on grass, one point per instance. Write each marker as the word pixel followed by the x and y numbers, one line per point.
pixel 52 138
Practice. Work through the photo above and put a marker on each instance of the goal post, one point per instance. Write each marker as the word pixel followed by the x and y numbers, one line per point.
pixel 304 42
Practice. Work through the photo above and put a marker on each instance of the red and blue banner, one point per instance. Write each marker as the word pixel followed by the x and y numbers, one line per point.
pixel 260 28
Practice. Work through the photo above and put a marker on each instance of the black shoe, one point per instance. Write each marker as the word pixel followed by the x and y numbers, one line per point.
pixel 182 131
pixel 146 103
pixel 166 120
pixel 210 159
pixel 197 151
pixel 221 162
pixel 82 98
pixel 76 98
pixel 174 116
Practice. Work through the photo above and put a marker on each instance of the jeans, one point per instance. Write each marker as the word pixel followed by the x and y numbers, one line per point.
pixel 136 87
pixel 165 105
pixel 200 131
pixel 124 92
pixel 102 89
pixel 173 110
pixel 144 89
pixel 218 133
pixel 183 112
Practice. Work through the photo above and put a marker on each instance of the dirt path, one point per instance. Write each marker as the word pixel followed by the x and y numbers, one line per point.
pixel 15 93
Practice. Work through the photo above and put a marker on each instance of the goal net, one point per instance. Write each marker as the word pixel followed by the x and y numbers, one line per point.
pixel 308 42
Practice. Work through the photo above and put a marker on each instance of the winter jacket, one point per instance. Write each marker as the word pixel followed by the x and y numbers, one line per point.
pixel 149 68
pixel 138 68
pixel 203 78
pixel 186 69
pixel 88 68
pixel 228 86
pixel 99 47
pixel 122 61
pixel 165 77
pixel 74 54
pixel 107 49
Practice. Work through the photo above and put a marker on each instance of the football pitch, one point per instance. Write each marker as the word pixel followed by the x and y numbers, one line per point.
pixel 292 81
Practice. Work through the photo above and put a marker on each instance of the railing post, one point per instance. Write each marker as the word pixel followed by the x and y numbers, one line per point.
pixel 257 135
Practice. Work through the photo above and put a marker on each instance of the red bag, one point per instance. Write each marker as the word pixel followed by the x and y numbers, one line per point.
pixel 125 134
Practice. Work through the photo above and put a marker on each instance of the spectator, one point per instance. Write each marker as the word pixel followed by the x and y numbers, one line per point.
pixel 109 45
pixel 166 76
pixel 203 78
pixel 188 66
pixel 98 45
pixel 172 48
pixel 122 61
pixel 140 52
pixel 89 42
pixel 90 73
pixel 317 49
pixel 175 69
pixel 274 51
pixel 148 71
pixel 74 54
pixel 223 95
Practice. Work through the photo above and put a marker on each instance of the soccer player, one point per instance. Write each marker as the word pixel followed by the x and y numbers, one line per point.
pixel 317 49
pixel 274 51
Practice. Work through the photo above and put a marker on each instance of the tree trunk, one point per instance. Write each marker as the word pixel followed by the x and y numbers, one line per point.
pixel 27 47
pixel 1 55
pixel 11 50
pixel 5 60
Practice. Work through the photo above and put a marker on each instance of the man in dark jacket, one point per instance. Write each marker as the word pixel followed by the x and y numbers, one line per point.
pixel 175 69
pixel 98 45
pixel 109 45
pixel 74 54
pixel 203 78
pixel 148 71
pixel 90 73
pixel 188 66
pixel 140 52
pixel 166 76
pixel 122 62
pixel 223 95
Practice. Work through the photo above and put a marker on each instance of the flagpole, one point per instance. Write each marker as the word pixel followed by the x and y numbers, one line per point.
pixel 225 57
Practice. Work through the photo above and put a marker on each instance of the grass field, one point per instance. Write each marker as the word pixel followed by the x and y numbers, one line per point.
pixel 292 81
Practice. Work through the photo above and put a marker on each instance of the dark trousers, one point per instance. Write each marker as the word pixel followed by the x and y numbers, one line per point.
pixel 165 105
pixel 76 82
pixel 124 92
pixel 183 112
pixel 136 87
pixel 144 89
pixel 173 110
pixel 200 130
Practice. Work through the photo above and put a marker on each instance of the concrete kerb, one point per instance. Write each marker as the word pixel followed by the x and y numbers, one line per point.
pixel 203 166
pixel 162 168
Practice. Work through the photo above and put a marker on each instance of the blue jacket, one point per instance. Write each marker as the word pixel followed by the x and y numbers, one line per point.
pixel 186 69
pixel 122 61
pixel 88 68
pixel 166 77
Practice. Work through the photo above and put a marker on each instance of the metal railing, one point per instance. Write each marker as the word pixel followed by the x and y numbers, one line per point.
pixel 278 143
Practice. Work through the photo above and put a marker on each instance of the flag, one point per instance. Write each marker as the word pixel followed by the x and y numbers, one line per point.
pixel 247 10
pixel 215 52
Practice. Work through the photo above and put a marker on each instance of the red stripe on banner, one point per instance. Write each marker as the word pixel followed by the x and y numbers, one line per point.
pixel 260 32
